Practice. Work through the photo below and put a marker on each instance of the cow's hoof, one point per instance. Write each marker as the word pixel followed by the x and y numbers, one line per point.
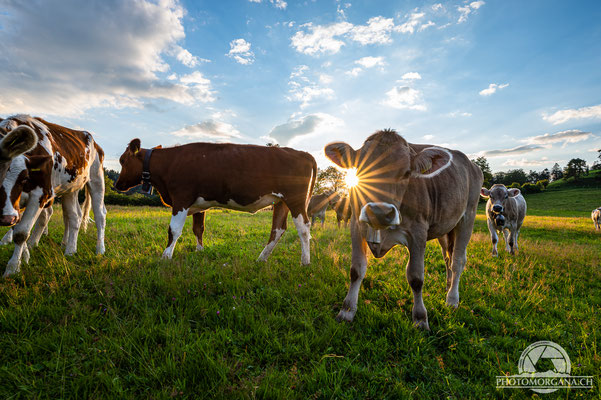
pixel 11 269
pixel 495 254
pixel 345 316
pixel 100 250
pixel 70 252
pixel 199 247
pixel 422 324
pixel 453 301
pixel 166 256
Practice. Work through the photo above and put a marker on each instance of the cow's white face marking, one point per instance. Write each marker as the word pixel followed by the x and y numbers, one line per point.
pixel 395 221
pixel 16 167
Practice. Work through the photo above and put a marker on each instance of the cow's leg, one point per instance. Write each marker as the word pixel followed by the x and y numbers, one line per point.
pixel 323 219
pixel 278 227
pixel 462 233
pixel 72 212
pixel 338 220
pixel 96 192
pixel 21 233
pixel 7 238
pixel 178 219
pixel 446 245
pixel 198 227
pixel 506 237
pixel 358 269
pixel 415 277
pixel 303 227
pixel 40 226
pixel 493 236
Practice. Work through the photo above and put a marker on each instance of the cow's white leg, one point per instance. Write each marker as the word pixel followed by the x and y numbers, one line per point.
pixel 72 211
pixel 278 227
pixel 463 233
pixel 493 236
pixel 506 238
pixel 303 226
pixel 358 270
pixel 96 191
pixel 22 230
pixel 40 226
pixel 175 230
pixel 7 238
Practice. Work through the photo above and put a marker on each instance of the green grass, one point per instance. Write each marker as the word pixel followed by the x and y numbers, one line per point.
pixel 220 324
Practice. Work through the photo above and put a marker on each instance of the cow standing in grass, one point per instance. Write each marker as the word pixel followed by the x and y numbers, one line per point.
pixel 342 207
pixel 318 205
pixel 596 217
pixel 408 194
pixel 195 177
pixel 63 162
pixel 505 212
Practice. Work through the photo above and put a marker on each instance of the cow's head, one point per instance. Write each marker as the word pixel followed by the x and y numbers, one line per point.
pixel 498 195
pixel 14 143
pixel 131 167
pixel 25 174
pixel 385 164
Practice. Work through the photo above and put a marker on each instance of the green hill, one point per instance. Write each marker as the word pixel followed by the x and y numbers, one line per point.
pixel 592 180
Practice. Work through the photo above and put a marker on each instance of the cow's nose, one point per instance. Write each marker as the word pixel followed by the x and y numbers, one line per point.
pixel 380 215
pixel 8 220
pixel 497 208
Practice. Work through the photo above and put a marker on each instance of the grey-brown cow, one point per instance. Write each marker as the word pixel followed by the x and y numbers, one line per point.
pixel 505 212
pixel 408 194
pixel 317 207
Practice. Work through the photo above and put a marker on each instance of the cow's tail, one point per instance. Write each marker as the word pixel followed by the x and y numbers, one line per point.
pixel 85 211
pixel 313 180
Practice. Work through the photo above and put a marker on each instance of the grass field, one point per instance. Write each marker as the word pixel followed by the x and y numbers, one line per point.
pixel 220 324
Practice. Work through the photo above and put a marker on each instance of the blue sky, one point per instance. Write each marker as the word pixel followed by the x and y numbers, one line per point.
pixel 516 81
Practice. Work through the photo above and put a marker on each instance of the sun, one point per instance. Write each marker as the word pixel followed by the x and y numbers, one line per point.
pixel 351 179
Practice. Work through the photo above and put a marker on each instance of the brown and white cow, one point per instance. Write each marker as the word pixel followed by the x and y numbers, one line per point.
pixel 408 194
pixel 318 205
pixel 195 177
pixel 63 162
pixel 505 212
pixel 596 217
pixel 342 207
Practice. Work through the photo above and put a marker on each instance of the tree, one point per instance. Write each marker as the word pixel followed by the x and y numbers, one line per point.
pixel 533 176
pixel 576 168
pixel 329 180
pixel 512 176
pixel 597 163
pixel 486 171
pixel 544 174
pixel 556 172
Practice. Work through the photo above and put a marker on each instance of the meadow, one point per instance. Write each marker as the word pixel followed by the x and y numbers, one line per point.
pixel 219 324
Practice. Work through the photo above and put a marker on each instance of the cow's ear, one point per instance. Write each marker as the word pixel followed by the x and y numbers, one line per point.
pixel 430 162
pixel 513 192
pixel 484 192
pixel 341 154
pixel 18 141
pixel 134 146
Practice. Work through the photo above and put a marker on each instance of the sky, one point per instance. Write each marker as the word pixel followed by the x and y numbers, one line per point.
pixel 518 82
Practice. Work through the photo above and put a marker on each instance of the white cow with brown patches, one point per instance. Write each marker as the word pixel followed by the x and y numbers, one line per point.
pixel 63 162
pixel 505 212
pixel 596 217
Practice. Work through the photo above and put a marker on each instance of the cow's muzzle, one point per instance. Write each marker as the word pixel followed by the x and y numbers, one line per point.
pixel 380 215
pixel 497 208
pixel 9 220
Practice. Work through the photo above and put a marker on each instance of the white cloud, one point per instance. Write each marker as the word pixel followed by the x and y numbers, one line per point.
pixel 467 9
pixel 410 76
pixel 565 137
pixel 437 7
pixel 425 26
pixel 370 62
pixel 404 97
pixel 320 39
pixel 210 129
pixel 428 137
pixel 527 148
pixel 561 116
pixel 281 4
pixel 240 51
pixel 305 90
pixel 529 163
pixel 454 114
pixel 377 31
pixel 114 62
pixel 325 79
pixel 411 24
pixel 295 130
pixel 492 88
pixel 355 71
pixel 186 58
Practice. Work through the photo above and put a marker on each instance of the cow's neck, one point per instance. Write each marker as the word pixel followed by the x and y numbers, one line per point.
pixel 158 165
